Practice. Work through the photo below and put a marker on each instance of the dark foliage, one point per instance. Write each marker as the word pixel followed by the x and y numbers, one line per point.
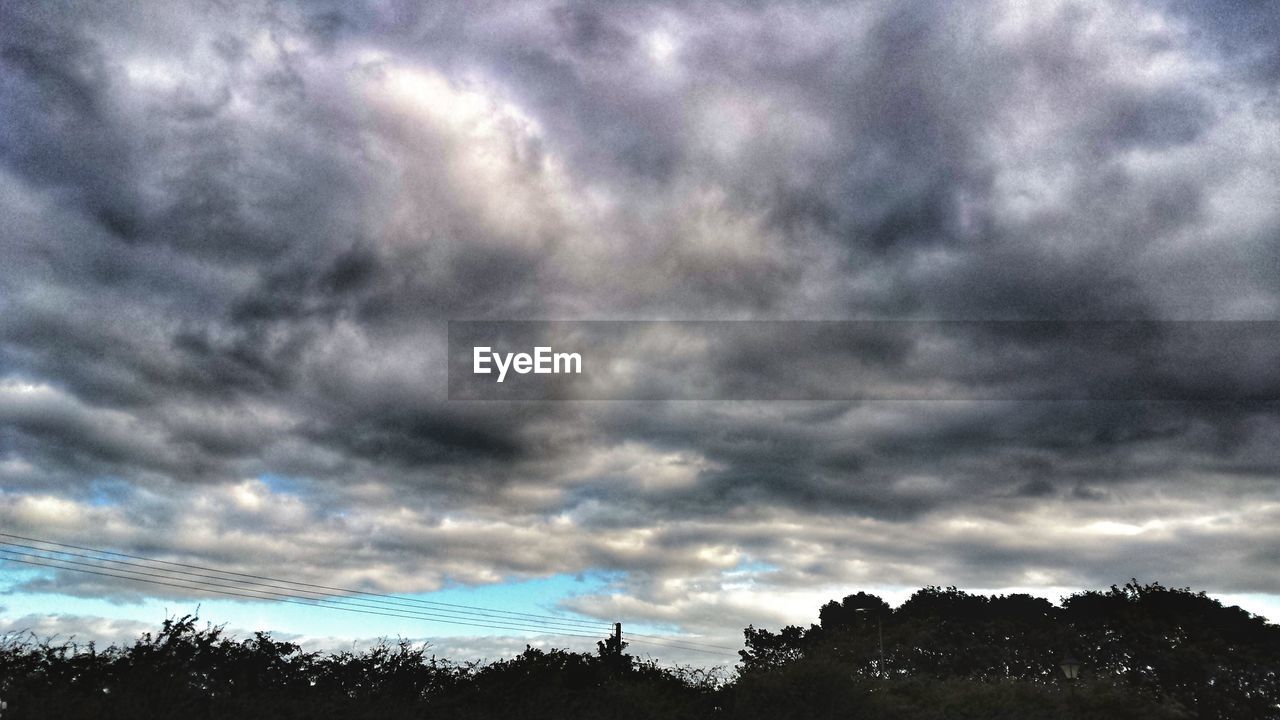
pixel 1149 652
pixel 1177 650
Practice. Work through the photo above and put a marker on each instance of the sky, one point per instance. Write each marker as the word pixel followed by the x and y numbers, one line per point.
pixel 234 235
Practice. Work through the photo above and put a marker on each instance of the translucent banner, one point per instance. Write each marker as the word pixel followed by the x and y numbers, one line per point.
pixel 1130 361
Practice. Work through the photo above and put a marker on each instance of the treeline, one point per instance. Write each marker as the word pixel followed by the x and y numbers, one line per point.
pixel 1146 651
pixel 1171 652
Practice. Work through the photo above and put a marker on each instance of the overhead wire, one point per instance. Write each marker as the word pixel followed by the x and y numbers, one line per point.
pixel 332 597
pixel 341 598
pixel 295 600
pixel 507 616
pixel 346 591
pixel 192 585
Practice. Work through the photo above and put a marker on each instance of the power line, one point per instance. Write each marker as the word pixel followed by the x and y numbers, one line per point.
pixel 453 609
pixel 295 600
pixel 649 638
pixel 666 644
pixel 391 606
pixel 344 599
pixel 244 593
pixel 319 602
pixel 345 591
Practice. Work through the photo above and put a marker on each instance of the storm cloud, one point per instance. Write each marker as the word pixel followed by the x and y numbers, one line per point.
pixel 233 236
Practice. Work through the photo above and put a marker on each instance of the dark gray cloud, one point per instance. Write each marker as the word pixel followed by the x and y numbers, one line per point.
pixel 233 236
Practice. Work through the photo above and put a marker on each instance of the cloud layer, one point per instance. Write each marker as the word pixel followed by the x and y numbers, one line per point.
pixel 234 235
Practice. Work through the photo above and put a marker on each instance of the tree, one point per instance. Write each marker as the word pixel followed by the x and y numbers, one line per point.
pixel 768 651
pixel 1221 662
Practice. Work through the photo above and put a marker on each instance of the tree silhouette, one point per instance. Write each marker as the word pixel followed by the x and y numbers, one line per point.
pixel 1149 652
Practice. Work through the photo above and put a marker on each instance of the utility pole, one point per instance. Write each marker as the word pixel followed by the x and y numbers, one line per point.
pixel 611 647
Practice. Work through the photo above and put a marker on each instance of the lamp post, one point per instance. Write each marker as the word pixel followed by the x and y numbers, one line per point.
pixel 880 637
pixel 1071 668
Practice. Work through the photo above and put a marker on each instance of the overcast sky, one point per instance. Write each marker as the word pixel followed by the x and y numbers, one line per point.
pixel 232 235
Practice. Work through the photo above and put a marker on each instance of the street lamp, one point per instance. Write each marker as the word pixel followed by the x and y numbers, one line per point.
pixel 1071 667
